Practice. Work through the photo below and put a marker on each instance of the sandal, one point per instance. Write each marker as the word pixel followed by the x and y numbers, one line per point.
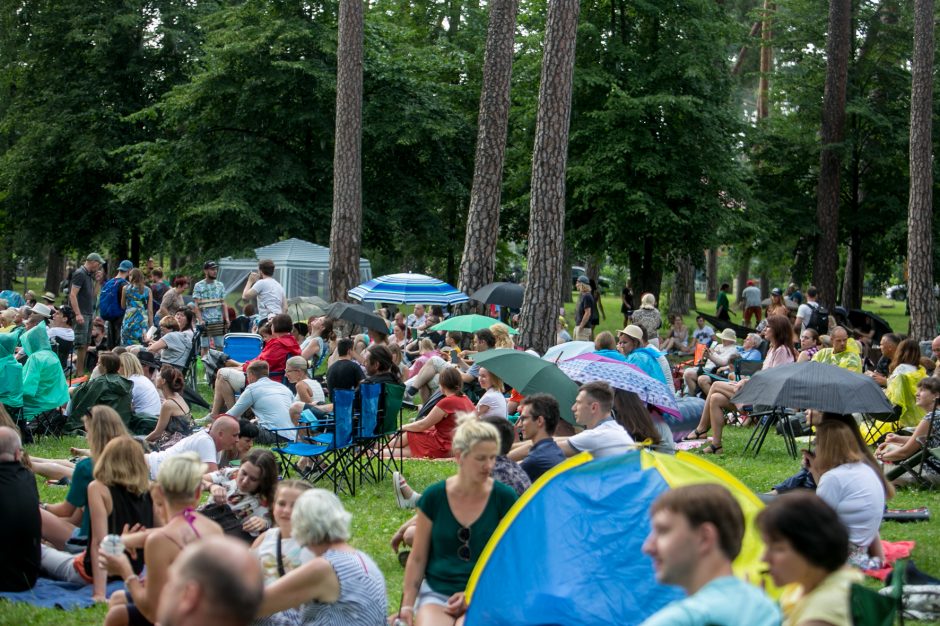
pixel 695 435
pixel 711 449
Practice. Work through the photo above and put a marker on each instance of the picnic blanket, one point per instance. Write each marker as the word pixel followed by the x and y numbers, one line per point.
pixel 55 594
pixel 894 550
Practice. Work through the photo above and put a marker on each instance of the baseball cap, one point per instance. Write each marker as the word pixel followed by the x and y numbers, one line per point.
pixel 776 291
pixel 584 280
pixel 125 266
pixel 94 256
pixel 208 265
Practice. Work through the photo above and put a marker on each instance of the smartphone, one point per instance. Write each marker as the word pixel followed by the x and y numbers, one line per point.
pixel 453 356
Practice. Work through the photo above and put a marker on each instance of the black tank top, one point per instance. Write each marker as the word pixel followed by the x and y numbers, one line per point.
pixel 126 508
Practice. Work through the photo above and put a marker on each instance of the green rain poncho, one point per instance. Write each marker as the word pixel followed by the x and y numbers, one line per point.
pixel 11 373
pixel 44 384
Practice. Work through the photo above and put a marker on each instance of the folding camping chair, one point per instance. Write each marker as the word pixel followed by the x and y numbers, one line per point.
pixel 243 347
pixel 871 608
pixel 365 428
pixel 914 464
pixel 329 454
pixel 214 329
pixel 189 367
pixel 767 420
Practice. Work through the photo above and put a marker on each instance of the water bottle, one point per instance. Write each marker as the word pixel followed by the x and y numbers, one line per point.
pixel 112 545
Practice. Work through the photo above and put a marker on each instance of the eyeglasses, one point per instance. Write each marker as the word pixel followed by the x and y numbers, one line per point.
pixel 463 535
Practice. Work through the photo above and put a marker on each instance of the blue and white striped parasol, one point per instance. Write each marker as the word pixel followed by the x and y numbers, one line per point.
pixel 408 289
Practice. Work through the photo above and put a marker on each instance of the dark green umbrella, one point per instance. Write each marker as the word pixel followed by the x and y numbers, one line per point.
pixel 529 374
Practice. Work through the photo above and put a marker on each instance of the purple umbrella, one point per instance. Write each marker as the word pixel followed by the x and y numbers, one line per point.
pixel 586 368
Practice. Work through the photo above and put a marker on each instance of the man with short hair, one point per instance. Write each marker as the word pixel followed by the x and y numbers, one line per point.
pixel 82 297
pixel 272 299
pixel 722 305
pixel 841 354
pixel 703 334
pixel 345 372
pixel 221 436
pixel 805 312
pixel 117 285
pixel 20 521
pixel 483 340
pixel 696 534
pixel 889 345
pixel 213 582
pixel 158 288
pixel 268 400
pixel 584 312
pixel 752 303
pixel 418 318
pixel 602 436
pixel 539 416
pixel 209 296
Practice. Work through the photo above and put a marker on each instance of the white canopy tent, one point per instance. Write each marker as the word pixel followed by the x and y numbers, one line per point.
pixel 302 268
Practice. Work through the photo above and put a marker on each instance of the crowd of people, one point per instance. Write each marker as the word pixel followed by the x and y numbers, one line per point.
pixel 190 499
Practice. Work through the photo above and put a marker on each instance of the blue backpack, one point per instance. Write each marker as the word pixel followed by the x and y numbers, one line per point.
pixel 109 302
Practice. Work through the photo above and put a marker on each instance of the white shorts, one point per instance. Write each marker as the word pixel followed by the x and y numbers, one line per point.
pixel 234 377
pixel 426 595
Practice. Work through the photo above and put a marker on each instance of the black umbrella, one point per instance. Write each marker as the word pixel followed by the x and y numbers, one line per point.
pixel 864 320
pixel 741 331
pixel 814 386
pixel 356 314
pixel 503 294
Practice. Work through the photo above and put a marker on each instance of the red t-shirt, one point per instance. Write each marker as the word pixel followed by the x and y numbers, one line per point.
pixel 276 352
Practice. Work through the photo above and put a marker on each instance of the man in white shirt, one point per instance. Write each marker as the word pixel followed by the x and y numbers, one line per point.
pixel 208 444
pixel 752 303
pixel 602 436
pixel 805 312
pixel 269 400
pixel 720 355
pixel 417 319
pixel 272 299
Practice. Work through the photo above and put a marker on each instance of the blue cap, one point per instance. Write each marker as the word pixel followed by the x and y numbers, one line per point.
pixel 125 266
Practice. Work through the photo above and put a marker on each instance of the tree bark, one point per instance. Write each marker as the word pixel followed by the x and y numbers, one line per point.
pixel 683 287
pixel 766 61
pixel 55 270
pixel 549 161
pixel 647 276
pixel 346 225
pixel 479 250
pixel 711 274
pixel 744 271
pixel 852 281
pixel 920 205
pixel 833 128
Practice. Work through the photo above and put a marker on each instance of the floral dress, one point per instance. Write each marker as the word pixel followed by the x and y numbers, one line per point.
pixel 135 315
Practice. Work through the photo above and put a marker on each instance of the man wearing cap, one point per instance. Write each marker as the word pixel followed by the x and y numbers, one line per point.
pixel 584 313
pixel 120 280
pixel 646 358
pixel 209 295
pixel 82 297
pixel 752 303
pixel 38 313
pixel 720 355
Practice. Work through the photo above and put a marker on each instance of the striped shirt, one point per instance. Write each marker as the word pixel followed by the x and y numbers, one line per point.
pixel 362 600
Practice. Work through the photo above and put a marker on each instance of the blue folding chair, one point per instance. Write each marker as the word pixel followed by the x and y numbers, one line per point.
pixel 243 347
pixel 365 429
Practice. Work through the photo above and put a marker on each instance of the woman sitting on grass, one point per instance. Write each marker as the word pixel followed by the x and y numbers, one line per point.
pixel 492 403
pixel 677 339
pixel 900 447
pixel 177 492
pixel 431 436
pixel 241 498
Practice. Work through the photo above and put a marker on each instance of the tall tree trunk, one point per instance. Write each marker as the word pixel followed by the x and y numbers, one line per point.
pixel 852 281
pixel 646 275
pixel 711 274
pixel 592 266
pixel 135 248
pixel 683 287
pixel 55 270
pixel 833 126
pixel 920 206
pixel 549 161
pixel 766 61
pixel 744 271
pixel 764 284
pixel 346 225
pixel 479 248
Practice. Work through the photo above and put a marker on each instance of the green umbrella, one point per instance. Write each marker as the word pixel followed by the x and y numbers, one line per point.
pixel 529 374
pixel 469 323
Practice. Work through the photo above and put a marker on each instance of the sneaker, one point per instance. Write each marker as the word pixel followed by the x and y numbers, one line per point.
pixel 401 487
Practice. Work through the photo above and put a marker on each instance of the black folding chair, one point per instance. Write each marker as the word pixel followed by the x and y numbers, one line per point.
pixel 767 421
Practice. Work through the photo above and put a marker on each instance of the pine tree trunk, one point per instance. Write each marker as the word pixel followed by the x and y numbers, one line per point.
pixel 683 287
pixel 346 225
pixel 479 249
pixel 764 285
pixel 920 206
pixel 711 274
pixel 744 271
pixel 766 62
pixel 833 127
pixel 549 161
pixel 853 278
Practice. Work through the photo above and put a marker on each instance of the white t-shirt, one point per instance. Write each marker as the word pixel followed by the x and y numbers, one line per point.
pixel 315 388
pixel 495 401
pixel 606 439
pixel 270 297
pixel 145 400
pixel 57 332
pixel 199 442
pixel 751 296
pixel 804 313
pixel 856 494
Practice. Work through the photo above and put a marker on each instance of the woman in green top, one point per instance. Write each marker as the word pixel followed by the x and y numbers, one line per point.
pixel 723 306
pixel 455 520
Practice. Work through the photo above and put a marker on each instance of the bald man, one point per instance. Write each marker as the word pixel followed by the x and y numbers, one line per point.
pixel 208 444
pixel 213 582
pixel 842 353
pixel 20 524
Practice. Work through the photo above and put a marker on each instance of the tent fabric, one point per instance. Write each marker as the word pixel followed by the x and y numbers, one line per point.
pixel 302 268
pixel 44 384
pixel 574 541
pixel 11 373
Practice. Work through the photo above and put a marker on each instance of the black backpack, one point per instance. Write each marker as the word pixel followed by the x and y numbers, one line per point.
pixel 819 319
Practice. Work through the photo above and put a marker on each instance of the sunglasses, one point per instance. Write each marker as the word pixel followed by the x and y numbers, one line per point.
pixel 463 535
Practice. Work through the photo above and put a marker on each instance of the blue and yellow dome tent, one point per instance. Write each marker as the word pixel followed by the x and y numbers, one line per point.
pixel 569 551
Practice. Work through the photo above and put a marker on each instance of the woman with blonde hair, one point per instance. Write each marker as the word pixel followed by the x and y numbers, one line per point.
pixel 175 495
pixel 456 518
pixel 649 318
pixel 492 403
pixel 64 520
pixel 145 401
pixel 341 585
pixel 503 338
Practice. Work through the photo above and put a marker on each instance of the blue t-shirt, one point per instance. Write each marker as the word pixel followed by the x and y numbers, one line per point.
pixel 728 601
pixel 543 456
pixel 750 355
